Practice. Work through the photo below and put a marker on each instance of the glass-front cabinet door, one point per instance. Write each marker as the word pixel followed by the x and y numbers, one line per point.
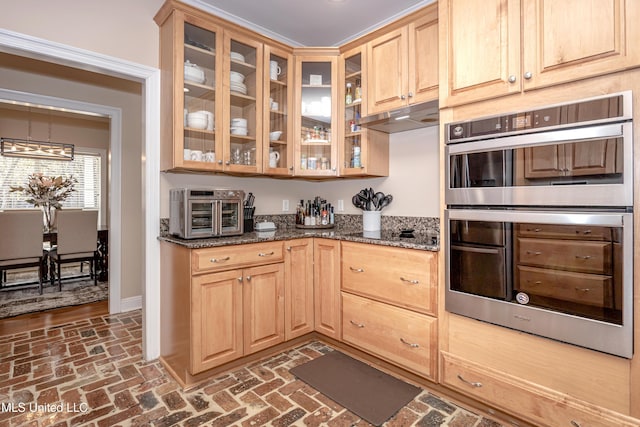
pixel 363 152
pixel 315 131
pixel 241 111
pixel 277 154
pixel 190 62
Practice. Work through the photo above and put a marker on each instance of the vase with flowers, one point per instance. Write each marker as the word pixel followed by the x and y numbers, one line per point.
pixel 48 193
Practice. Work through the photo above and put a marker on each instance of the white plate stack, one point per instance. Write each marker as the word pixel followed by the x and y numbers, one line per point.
pixel 239 126
pixel 237 82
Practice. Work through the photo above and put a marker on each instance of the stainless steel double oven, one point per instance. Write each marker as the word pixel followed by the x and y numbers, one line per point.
pixel 539 226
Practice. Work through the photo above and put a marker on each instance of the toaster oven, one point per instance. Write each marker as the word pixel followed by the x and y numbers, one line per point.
pixel 203 212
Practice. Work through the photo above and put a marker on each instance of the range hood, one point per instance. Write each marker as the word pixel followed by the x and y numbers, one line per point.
pixel 415 116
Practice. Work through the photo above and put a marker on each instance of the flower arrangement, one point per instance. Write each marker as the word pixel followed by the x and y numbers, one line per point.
pixel 47 192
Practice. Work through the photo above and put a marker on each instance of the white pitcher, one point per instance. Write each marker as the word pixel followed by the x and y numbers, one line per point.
pixel 274 157
pixel 274 70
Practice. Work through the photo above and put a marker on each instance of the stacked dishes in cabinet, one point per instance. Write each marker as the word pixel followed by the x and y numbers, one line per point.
pixel 199 95
pixel 243 85
pixel 277 125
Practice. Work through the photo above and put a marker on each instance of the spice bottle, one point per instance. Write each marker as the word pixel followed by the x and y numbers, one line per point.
pixel 349 97
pixel 358 91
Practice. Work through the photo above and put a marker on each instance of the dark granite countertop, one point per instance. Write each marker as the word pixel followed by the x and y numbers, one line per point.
pixel 421 241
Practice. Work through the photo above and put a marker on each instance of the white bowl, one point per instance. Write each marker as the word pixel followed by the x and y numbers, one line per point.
pixel 239 131
pixel 197 115
pixel 197 123
pixel 239 122
pixel 236 77
pixel 237 56
pixel 193 73
pixel 275 135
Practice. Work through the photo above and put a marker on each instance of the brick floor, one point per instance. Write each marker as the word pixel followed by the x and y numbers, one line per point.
pixel 91 373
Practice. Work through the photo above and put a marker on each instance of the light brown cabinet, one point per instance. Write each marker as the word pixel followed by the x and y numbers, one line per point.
pixel 316 100
pixel 326 282
pixel 537 405
pixel 277 108
pixel 389 303
pixel 220 304
pixel 402 65
pixel 363 152
pixel 298 263
pixel 499 47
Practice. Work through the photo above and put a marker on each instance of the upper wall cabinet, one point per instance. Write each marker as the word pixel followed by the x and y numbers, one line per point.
pixel 498 47
pixel 402 64
pixel 191 65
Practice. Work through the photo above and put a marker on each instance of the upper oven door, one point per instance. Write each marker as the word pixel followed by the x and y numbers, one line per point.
pixel 587 166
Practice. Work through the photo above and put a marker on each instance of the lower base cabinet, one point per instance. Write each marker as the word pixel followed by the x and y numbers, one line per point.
pixel 535 404
pixel 400 336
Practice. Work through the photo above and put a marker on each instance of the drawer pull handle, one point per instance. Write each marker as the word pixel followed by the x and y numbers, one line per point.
pixel 214 260
pixel 583 256
pixel 586 232
pixel 526 319
pixel 266 254
pixel 537 282
pixel 534 253
pixel 574 423
pixel 413 282
pixel 471 383
pixel 583 289
pixel 356 324
pixel 357 270
pixel 410 344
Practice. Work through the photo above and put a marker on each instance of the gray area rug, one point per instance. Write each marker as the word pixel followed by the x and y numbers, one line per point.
pixel 77 291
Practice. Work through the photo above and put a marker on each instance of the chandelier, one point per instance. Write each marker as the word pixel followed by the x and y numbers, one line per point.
pixel 29 148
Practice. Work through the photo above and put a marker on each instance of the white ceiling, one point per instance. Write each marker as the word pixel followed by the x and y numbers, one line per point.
pixel 311 22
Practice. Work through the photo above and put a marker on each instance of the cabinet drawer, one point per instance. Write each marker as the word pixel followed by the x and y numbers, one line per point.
pixel 226 257
pixel 404 277
pixel 555 231
pixel 590 289
pixel 581 256
pixel 528 401
pixel 403 337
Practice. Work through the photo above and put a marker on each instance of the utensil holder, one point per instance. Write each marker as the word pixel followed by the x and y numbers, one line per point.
pixel 371 220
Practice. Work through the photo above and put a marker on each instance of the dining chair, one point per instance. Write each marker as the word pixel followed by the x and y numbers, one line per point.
pixel 21 242
pixel 77 241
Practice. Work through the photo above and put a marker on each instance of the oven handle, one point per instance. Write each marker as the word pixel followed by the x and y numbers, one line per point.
pixel 615 130
pixel 476 249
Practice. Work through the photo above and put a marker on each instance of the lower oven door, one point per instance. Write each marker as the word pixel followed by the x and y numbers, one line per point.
pixel 562 274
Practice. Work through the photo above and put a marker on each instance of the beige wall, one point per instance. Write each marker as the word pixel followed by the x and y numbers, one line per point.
pixel 120 28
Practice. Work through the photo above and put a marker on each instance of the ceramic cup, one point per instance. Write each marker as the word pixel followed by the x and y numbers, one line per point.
pixel 187 154
pixel 210 156
pixel 274 70
pixel 274 157
pixel 196 155
pixel 274 105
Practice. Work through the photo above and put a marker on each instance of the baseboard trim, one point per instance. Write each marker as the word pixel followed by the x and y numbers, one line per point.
pixel 130 304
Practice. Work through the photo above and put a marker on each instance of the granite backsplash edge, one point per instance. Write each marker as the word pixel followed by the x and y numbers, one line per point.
pixel 347 222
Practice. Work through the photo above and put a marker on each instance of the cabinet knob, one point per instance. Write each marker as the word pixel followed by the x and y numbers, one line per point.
pixel 248 278
pixel 227 163
pixel 240 279
pixel 512 78
pixel 333 169
pixel 219 162
pixel 528 75
pixel 290 168
pixel 289 248
pixel 410 94
pixel 402 96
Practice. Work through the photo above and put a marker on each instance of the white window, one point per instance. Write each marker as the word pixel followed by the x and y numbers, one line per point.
pixel 86 167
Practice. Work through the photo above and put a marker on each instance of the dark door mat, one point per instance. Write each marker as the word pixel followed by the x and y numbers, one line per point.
pixel 372 395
